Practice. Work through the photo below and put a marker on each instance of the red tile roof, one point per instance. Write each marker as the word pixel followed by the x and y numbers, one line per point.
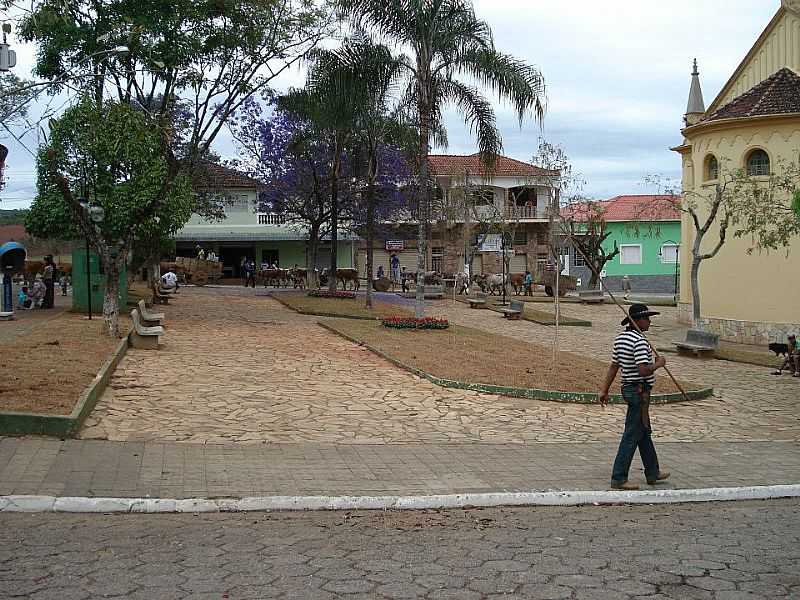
pixel 12 232
pixel 458 164
pixel 627 208
pixel 776 95
pixel 217 177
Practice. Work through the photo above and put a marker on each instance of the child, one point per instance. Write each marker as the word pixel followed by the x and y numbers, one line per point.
pixel 23 300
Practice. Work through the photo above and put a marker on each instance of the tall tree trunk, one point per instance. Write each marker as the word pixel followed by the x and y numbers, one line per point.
pixel 424 204
pixel 370 237
pixel 334 216
pixel 696 290
pixel 311 259
pixel 113 268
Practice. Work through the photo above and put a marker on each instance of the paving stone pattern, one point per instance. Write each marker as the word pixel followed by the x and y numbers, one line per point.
pixel 178 470
pixel 238 367
pixel 730 551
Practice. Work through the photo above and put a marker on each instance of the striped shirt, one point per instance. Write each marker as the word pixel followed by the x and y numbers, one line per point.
pixel 631 350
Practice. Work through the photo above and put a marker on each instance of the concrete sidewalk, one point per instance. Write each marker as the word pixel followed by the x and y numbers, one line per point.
pixel 90 468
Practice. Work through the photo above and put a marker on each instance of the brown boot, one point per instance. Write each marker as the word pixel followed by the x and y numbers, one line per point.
pixel 623 485
pixel 662 475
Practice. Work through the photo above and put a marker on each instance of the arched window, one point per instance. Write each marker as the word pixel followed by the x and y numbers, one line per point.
pixel 712 167
pixel 758 162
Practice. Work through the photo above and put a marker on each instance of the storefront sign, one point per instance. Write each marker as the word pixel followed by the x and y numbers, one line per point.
pixel 395 245
pixel 493 242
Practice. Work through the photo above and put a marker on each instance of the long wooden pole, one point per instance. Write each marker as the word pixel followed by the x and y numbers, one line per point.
pixel 625 312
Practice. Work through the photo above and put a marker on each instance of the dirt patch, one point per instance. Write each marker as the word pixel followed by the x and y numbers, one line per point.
pixel 46 370
pixel 340 307
pixel 470 355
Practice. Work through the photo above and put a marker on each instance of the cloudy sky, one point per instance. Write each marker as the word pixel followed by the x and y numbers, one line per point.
pixel 617 77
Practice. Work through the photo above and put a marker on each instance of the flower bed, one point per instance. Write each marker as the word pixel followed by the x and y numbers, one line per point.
pixel 413 323
pixel 330 294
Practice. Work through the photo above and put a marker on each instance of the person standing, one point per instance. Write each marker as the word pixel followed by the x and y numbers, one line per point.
pixel 250 273
pixel 394 265
pixel 49 282
pixel 626 286
pixel 528 283
pixel 634 357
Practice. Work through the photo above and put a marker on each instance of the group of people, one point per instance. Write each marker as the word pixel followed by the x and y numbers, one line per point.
pixel 247 267
pixel 41 294
pixel 202 255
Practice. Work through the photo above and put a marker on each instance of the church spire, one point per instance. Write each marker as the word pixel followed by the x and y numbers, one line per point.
pixel 695 108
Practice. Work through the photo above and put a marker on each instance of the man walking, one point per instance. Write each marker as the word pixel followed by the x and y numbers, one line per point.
pixel 633 355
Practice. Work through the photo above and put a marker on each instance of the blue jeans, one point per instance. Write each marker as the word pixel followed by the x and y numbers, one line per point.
pixel 636 435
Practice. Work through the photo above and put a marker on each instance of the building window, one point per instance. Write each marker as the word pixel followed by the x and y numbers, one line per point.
pixel 541 261
pixel 437 259
pixel 520 237
pixel 237 202
pixel 483 197
pixel 630 254
pixel 712 168
pixel 271 219
pixel 669 253
pixel 758 163
pixel 541 237
pixel 578 260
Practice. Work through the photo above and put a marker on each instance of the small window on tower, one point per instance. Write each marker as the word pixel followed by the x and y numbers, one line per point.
pixel 712 168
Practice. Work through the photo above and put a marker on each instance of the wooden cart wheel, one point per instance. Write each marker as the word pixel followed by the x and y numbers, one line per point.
pixel 548 290
pixel 200 278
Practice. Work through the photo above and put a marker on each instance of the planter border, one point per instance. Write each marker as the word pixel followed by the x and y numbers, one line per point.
pixel 563 322
pixel 22 423
pixel 323 314
pixel 530 393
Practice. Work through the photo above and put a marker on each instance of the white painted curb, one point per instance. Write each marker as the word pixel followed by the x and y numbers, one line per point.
pixel 283 503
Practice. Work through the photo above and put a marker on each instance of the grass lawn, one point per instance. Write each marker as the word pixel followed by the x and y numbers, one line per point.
pixel 535 315
pixel 339 307
pixel 473 356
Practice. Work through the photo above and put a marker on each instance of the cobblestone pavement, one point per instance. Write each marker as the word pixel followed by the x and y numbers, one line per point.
pixel 736 551
pixel 236 367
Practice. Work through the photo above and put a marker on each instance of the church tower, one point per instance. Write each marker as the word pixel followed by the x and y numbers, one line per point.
pixel 695 108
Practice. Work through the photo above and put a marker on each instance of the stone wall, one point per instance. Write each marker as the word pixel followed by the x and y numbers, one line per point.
pixel 742 332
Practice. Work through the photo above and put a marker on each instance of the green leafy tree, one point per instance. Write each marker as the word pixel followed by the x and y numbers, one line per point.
pixel 107 159
pixel 447 41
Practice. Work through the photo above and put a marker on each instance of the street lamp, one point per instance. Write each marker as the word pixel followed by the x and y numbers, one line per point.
pixel 677 263
pixel 96 215
pixel 8 58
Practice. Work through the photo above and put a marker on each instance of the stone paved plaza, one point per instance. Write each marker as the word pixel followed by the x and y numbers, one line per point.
pixel 728 551
pixel 237 366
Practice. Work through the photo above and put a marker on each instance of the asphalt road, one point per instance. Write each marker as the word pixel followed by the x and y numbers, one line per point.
pixel 725 551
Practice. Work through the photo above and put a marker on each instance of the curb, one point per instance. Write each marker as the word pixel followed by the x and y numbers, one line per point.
pixel 530 393
pixel 41 504
pixel 20 423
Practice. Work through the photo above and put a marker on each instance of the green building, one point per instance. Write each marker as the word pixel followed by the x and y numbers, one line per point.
pixel 647 231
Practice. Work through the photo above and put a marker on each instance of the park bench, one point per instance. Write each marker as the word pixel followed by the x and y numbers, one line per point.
pixel 142 336
pixel 159 297
pixel 514 311
pixel 591 297
pixel 149 319
pixel 433 291
pixel 479 301
pixel 699 343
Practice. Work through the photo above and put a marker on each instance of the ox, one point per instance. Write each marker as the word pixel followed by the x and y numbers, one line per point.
pixel 495 283
pixel 298 278
pixel 276 277
pixel 517 281
pixel 344 276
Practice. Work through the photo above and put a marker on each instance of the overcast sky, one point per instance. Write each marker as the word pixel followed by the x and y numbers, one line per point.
pixel 617 77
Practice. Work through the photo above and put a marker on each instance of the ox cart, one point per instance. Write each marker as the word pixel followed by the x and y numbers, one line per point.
pixel 198 272
pixel 566 283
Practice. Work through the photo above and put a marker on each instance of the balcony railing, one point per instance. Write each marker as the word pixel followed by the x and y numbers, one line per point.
pixel 271 219
pixel 524 212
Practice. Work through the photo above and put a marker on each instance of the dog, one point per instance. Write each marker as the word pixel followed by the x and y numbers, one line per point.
pixel 779 349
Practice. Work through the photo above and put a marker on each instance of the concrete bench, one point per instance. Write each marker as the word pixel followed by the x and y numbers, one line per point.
pixel 592 297
pixel 159 297
pixel 479 301
pixel 699 343
pixel 149 319
pixel 434 291
pixel 514 311
pixel 142 336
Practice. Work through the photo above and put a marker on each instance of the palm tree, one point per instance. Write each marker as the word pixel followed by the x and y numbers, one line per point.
pixel 447 40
